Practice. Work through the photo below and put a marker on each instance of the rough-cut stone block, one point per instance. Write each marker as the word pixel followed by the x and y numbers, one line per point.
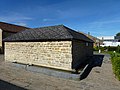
pixel 55 54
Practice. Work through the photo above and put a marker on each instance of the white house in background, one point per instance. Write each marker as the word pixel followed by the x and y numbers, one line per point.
pixel 109 41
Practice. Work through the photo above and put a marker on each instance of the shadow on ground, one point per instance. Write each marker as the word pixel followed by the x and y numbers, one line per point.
pixel 8 86
pixel 95 61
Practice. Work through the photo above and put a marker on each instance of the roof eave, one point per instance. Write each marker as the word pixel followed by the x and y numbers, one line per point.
pixel 39 40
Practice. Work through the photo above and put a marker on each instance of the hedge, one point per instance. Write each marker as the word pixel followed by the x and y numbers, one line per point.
pixel 118 49
pixel 109 48
pixel 115 58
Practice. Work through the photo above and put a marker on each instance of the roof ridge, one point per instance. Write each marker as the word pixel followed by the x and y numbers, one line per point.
pixel 48 26
pixel 68 31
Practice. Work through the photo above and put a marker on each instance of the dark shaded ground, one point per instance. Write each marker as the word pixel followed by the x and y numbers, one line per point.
pixel 95 61
pixel 8 86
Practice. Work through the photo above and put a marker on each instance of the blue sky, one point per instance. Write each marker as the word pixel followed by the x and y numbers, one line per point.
pixel 99 17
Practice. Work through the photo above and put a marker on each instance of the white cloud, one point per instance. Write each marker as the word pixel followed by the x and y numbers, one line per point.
pixel 45 20
pixel 21 24
pixel 105 22
pixel 15 18
pixel 102 27
pixel 99 25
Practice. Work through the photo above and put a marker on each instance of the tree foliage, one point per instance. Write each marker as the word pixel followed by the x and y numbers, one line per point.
pixel 118 34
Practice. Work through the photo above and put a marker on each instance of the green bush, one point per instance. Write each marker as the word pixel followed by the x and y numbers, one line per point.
pixel 115 58
pixel 96 48
pixel 118 49
pixel 100 48
pixel 108 48
pixel 112 48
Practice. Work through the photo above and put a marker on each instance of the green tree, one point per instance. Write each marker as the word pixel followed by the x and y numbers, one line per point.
pixel 118 34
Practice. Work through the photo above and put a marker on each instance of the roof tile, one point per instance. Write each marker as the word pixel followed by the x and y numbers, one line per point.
pixel 11 27
pixel 57 32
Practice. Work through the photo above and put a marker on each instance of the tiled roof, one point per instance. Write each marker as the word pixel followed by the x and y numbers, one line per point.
pixel 11 27
pixel 58 32
pixel 91 37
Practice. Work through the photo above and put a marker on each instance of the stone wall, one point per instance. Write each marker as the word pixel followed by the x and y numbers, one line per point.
pixel 81 51
pixel 0 38
pixel 57 54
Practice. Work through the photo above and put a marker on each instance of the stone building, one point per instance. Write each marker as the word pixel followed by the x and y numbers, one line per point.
pixel 56 47
pixel 97 42
pixel 7 29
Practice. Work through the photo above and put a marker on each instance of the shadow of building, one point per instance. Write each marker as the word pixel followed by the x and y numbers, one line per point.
pixel 95 61
pixel 8 86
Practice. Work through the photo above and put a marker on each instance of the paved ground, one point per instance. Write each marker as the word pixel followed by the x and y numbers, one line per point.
pixel 100 78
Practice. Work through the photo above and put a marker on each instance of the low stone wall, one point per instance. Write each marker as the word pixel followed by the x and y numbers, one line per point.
pixel 57 54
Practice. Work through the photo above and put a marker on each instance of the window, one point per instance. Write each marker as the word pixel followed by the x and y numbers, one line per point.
pixel 87 44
